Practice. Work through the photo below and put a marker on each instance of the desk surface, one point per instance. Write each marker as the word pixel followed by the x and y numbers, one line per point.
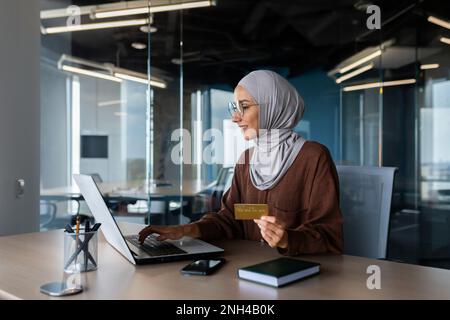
pixel 30 260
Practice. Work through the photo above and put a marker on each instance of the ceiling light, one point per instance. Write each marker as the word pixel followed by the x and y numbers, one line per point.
pixel 429 66
pixel 110 103
pixel 354 73
pixel 90 73
pixel 379 84
pixel 439 22
pixel 120 12
pixel 94 26
pixel 108 13
pixel 445 40
pixel 139 45
pixel 63 12
pixel 141 79
pixel 361 61
pixel 111 72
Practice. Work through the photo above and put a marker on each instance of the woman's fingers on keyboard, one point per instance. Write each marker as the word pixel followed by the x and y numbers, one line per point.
pixel 163 232
pixel 144 233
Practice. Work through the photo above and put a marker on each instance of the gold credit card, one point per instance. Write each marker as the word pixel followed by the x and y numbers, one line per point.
pixel 248 211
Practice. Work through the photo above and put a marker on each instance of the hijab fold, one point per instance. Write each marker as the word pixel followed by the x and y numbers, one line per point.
pixel 280 109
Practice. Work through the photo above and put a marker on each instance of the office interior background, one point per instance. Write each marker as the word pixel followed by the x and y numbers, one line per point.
pixel 79 101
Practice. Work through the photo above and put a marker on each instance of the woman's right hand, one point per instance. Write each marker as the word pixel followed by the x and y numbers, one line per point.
pixel 165 232
pixel 169 232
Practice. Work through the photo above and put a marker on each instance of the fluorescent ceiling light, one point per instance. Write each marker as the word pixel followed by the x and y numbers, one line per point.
pixel 110 103
pixel 88 10
pixel 90 73
pixel 379 84
pixel 63 12
pixel 120 12
pixel 111 72
pixel 105 13
pixel 154 83
pixel 439 22
pixel 429 66
pixel 354 73
pixel 181 6
pixel 361 61
pixel 445 40
pixel 94 26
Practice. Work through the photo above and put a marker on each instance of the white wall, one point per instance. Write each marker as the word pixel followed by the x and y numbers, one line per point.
pixel 19 115
pixel 102 120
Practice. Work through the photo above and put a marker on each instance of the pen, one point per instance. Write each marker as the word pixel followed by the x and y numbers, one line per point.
pixel 69 229
pixel 96 227
pixel 86 250
pixel 78 251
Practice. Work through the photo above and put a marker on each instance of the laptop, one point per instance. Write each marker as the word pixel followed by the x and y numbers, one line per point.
pixel 126 241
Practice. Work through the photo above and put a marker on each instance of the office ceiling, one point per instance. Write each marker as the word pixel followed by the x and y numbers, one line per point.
pixel 222 43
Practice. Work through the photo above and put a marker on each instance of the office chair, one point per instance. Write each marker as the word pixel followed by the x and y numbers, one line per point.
pixel 48 211
pixel 209 199
pixel 223 184
pixel 49 217
pixel 365 201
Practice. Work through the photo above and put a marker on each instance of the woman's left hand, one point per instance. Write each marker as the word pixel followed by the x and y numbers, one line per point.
pixel 273 231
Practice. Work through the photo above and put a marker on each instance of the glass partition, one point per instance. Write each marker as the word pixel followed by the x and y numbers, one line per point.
pixel 399 118
pixel 94 106
pixel 115 105
pixel 167 121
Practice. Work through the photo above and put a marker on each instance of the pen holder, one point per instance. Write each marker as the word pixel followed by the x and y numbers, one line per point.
pixel 80 252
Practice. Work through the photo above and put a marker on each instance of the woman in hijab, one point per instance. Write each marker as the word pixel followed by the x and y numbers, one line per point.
pixel 296 178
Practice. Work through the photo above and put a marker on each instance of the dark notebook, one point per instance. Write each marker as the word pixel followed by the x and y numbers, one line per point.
pixel 279 272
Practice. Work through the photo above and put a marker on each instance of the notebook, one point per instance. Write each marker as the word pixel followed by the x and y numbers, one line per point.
pixel 279 272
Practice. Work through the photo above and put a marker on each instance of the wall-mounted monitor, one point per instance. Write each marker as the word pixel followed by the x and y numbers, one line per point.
pixel 94 146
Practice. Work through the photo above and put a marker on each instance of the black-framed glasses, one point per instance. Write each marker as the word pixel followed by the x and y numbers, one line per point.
pixel 234 107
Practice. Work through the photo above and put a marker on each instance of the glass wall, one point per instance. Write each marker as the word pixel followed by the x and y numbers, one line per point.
pixel 403 123
pixel 94 111
pixel 168 121
pixel 115 106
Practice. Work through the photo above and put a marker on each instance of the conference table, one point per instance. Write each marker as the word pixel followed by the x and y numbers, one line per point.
pixel 136 189
pixel 119 194
pixel 30 260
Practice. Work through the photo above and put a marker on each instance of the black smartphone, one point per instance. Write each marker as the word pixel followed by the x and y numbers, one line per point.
pixel 203 267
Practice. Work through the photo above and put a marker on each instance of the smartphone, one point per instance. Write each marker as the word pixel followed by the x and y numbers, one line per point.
pixel 203 267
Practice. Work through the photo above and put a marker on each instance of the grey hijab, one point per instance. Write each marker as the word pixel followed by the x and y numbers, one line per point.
pixel 280 109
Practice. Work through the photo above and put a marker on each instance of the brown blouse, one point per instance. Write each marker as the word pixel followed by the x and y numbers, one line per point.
pixel 306 198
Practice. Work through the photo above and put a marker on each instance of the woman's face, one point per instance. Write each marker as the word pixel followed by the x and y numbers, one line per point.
pixel 249 122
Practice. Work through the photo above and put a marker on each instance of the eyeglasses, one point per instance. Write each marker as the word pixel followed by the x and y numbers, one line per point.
pixel 234 107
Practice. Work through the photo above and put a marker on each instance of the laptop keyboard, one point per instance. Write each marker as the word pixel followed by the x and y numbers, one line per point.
pixel 155 247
